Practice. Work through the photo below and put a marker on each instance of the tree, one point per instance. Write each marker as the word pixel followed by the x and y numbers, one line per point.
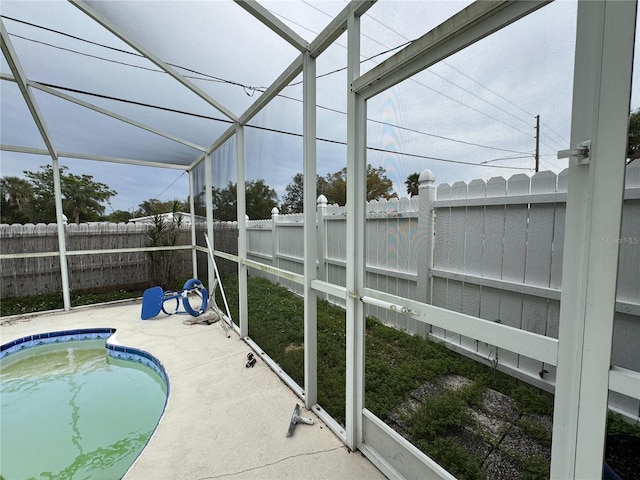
pixel 16 195
pixel 119 216
pixel 153 206
pixel 293 200
pixel 412 184
pixel 82 196
pixel 378 185
pixel 334 187
pixel 224 202
pixel 200 207
pixel 260 201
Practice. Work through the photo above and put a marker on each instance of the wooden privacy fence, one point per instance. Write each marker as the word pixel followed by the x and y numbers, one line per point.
pixel 492 249
pixel 95 271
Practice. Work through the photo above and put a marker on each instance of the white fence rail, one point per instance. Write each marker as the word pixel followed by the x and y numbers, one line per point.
pixel 494 251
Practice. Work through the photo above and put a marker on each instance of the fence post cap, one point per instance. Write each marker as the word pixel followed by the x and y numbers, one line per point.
pixel 274 211
pixel 426 176
pixel 321 201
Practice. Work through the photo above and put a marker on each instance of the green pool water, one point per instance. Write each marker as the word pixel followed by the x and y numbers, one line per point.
pixel 69 411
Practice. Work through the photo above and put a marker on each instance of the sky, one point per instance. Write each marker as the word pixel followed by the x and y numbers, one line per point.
pixel 476 107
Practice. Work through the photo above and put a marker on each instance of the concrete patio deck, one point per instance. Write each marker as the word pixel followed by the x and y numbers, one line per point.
pixel 222 420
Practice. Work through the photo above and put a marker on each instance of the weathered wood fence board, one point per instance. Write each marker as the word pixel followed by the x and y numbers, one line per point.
pixel 32 276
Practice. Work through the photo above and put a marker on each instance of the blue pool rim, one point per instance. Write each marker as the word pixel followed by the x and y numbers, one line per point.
pixel 113 350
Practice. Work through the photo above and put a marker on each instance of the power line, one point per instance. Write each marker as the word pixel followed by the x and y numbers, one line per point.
pixel 69 35
pixel 487 88
pixel 209 77
pixel 284 132
pixel 440 76
pixel 134 102
pixel 391 49
pixel 408 129
pixel 97 57
pixel 504 158
pixel 217 79
pixel 170 185
pixel 463 74
pixel 563 142
pixel 444 138
pixel 250 90
pixel 384 150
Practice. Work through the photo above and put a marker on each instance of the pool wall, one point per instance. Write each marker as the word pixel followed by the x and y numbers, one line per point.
pixel 113 349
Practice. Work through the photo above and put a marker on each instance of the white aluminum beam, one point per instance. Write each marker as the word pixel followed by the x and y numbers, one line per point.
pixel 278 272
pixel 310 232
pixel 97 158
pixel 106 23
pixel 356 198
pixel 6 76
pixel 62 242
pixel 241 195
pixel 192 210
pixel 275 24
pixel 600 113
pixel 111 114
pixel 127 161
pixel 226 135
pixel 74 253
pixel 338 25
pixel 513 339
pixel 19 149
pixel 475 22
pixel 208 200
pixel 21 79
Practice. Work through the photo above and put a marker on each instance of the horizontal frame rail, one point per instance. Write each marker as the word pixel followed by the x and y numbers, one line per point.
pixel 393 454
pixel 294 277
pixel 8 256
pixel 530 344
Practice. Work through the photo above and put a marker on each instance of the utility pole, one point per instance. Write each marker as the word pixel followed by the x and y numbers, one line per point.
pixel 537 143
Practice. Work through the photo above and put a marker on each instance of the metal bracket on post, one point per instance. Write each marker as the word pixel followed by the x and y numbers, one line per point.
pixel 582 153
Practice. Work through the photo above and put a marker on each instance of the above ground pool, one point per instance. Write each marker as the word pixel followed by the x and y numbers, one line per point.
pixel 72 408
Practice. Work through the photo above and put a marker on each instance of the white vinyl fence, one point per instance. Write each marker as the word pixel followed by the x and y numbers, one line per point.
pixel 492 249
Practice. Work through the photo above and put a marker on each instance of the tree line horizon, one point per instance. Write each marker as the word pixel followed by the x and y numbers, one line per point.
pixel 31 199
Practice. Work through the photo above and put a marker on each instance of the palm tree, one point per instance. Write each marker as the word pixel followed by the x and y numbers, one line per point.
pixel 15 195
pixel 412 184
pixel 16 191
pixel 84 196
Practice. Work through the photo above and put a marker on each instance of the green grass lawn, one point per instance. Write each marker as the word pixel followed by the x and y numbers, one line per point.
pixel 54 301
pixel 397 365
